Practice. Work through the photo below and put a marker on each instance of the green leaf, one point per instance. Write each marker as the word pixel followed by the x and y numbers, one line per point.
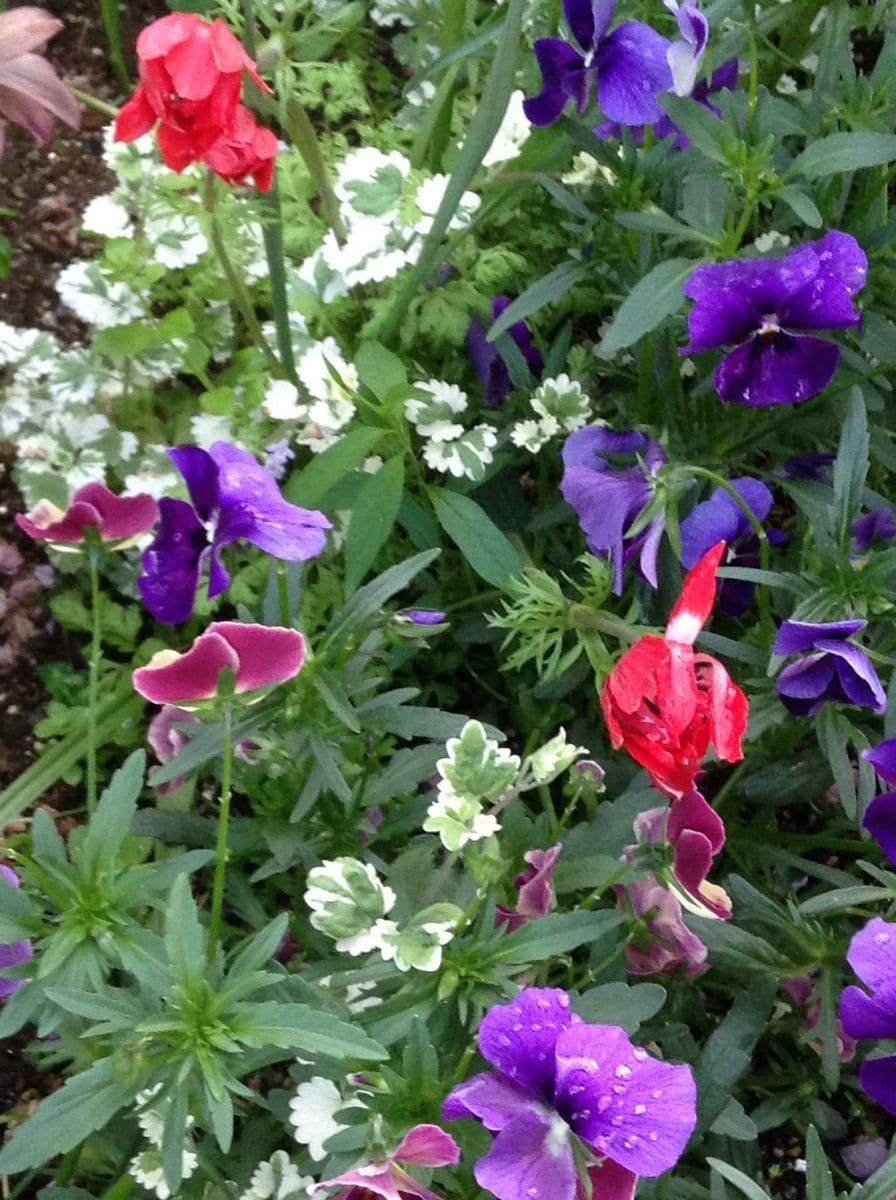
pixel 706 132
pixel 124 341
pixel 474 533
pixel 621 1004
pixel 373 516
pixel 881 1185
pixel 46 838
pixel 742 1182
pixel 539 295
pixel 844 898
pixel 298 1027
pixel 183 933
pixel 851 467
pixel 379 369
pixel 372 596
pixel 111 823
pixel 259 949
pixel 799 203
pixel 84 1104
pixel 651 300
pixel 733 1122
pixel 727 1052
pixel 415 720
pixel 406 771
pixel 555 934
pixel 309 486
pixel 845 152
pixel 834 745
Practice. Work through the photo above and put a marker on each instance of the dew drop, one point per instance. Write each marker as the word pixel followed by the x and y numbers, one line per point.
pixel 504 1040
pixel 617 1121
pixel 575 1088
pixel 640 1109
pixel 603 1104
pixel 536 1028
pixel 640 1053
pixel 532 1191
pixel 630 1142
pixel 656 1093
pixel 623 1072
pixel 619 1089
pixel 652 1136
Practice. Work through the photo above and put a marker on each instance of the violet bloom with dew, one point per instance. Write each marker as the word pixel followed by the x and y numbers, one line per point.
pixel 630 66
pixel 487 361
pixel 872 955
pixel 758 304
pixel 684 55
pixel 722 519
pixel 724 79
pixel 880 815
pixel 834 669
pixel 12 954
pixel 557 1080
pixel 610 500
pixel 232 498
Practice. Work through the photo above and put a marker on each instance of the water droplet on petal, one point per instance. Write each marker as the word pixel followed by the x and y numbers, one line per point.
pixel 640 1109
pixel 623 1072
pixel 657 1093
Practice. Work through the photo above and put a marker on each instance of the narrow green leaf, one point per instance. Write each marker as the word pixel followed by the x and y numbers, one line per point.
pixel 373 516
pixel 539 295
pixel 727 1052
pixel 372 596
pixel 651 300
pixel 844 898
pixel 844 152
pixel 111 823
pixel 474 533
pixel 799 203
pixel 851 467
pixel 556 934
pixel 299 1027
pixel 835 747
pixel 742 1182
pixel 309 486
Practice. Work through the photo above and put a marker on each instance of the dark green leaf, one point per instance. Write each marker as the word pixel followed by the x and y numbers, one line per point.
pixel 373 516
pixel 845 152
pixel 651 300
pixel 309 486
pixel 474 533
pixel 540 294
pixel 555 934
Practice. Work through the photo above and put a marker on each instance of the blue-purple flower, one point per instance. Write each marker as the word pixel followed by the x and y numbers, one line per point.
pixel 630 66
pixel 724 79
pixel 488 363
pixel 833 669
pixel 880 815
pixel 232 497
pixel 879 525
pixel 872 955
pixel 721 519
pixel 760 305
pixel 684 55
pixel 12 954
pixel 610 497
pixel 558 1080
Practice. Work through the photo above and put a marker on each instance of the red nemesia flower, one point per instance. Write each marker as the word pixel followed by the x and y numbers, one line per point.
pixel 246 151
pixel 191 80
pixel 666 704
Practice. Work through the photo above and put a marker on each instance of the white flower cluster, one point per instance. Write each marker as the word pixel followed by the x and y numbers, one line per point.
pixel 146 1167
pixel 277 1179
pixel 449 447
pixel 312 1114
pixel 512 134
pixel 560 406
pixel 476 771
pixel 387 209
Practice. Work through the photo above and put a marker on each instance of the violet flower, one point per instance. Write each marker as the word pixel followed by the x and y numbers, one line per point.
pixel 836 671
pixel 258 656
pixel 422 616
pixel 724 79
pixel 558 1079
pixel 879 525
pixel 880 815
pixel 12 954
pixel 721 519
pixel 609 499
pixel 630 66
pixel 488 363
pixel 684 55
pixel 758 303
pixel 872 955
pixel 535 895
pixel 118 519
pixel 424 1146
pixel 31 93
pixel 668 944
pixel 232 497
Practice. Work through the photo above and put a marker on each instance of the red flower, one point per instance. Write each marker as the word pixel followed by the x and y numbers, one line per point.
pixel 191 80
pixel 667 704
pixel 246 150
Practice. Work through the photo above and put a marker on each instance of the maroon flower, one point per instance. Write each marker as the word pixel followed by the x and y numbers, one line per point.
pixel 120 519
pixel 534 892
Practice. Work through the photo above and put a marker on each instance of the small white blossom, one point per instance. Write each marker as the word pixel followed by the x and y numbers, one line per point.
pixel 465 457
pixel 553 757
pixel 281 401
pixel 108 217
pixel 786 85
pixel 433 407
pixel 512 134
pixel 97 299
pixel 177 238
pixel 146 1168
pixel 429 196
pixel 563 400
pixel 348 901
pixel 277 1179
pixel 769 241
pixel 458 820
pixel 529 435
pixel 208 428
pixel 312 1114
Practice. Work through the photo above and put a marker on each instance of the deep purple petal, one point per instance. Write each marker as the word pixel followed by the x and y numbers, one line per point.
pixel 878 1078
pixel 557 59
pixel 490 1098
pixel 482 352
pixel 606 504
pixel 201 476
pixel 872 953
pixel 684 54
pixel 721 519
pixel 637 1110
pixel 776 368
pixel 172 563
pixel 580 19
pixel 805 685
pixel 858 679
pixel 632 71
pixel 842 257
pixel 879 525
pixel 796 637
pixel 824 303
pixel 531 1159
pixel 519 1038
pixel 865 1016
pixel 586 446
pixel 883 759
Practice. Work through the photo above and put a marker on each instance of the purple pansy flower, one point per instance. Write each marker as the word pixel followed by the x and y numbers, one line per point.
pixel 12 954
pixel 535 893
pixel 684 55
pixel 422 616
pixel 879 525
pixel 488 363
pixel 724 79
pixel 758 303
pixel 610 499
pixel 816 467
pixel 556 1079
pixel 630 65
pixel 721 519
pixel 880 815
pixel 872 955
pixel 835 671
pixel 232 497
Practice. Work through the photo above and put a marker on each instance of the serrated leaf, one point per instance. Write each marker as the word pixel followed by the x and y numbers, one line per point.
pixel 183 933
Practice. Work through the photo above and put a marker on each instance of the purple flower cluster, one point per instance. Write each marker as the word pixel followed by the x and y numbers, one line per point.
pixel 557 1079
pixel 880 815
pixel 488 363
pixel 834 669
pixel 724 79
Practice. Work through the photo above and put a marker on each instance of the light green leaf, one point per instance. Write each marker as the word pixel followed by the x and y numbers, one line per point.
pixel 556 934
pixel 183 933
pixel 379 369
pixel 373 516
pixel 799 203
pixel 742 1182
pixel 651 300
pixel 474 533
pixel 299 1027
pixel 539 295
pixel 372 596
pixel 845 152
pixel 111 823
pixel 309 486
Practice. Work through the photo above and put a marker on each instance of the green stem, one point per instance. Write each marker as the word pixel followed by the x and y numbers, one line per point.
pixel 123 1187
pixel 582 617
pixel 239 292
pixel 111 14
pixel 272 229
pixel 283 594
pixel 108 110
pixel 66 1172
pixel 214 933
pixel 94 554
pixel 301 133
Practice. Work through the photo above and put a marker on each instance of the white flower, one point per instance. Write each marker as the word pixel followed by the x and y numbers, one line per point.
pixel 277 1179
pixel 73 378
pixel 546 763
pixel 281 401
pixel 458 819
pixel 146 1168
pixel 312 1114
pixel 207 428
pixel 330 380
pixel 150 1120
pixel 786 85
pixel 177 239
pixel 348 901
pixel 768 241
pixel 433 407
pixel 528 435
pixel 586 169
pixel 95 298
pixel 355 999
pixel 108 217
pixel 512 134
pixel 429 196
pixel 561 404
pixel 466 457
pixel 368 177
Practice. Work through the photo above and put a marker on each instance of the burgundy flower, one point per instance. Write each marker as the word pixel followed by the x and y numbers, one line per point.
pixel 535 895
pixel 424 1145
pixel 31 93
pixel 120 519
pixel 258 656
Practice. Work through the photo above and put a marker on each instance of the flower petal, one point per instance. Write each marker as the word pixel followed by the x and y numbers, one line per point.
pixel 878 1078
pixel 632 70
pixel 265 654
pixel 777 368
pixel 698 593
pixel 531 1159
pixel 490 1098
pixel 186 677
pixel 429 1146
pixel 796 637
pixel 865 1016
pixel 200 474
pixel 519 1038
pixel 883 758
pixel 172 563
pixel 872 953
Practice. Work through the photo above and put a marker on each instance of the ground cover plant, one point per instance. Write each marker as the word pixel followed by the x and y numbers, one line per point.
pixel 467 510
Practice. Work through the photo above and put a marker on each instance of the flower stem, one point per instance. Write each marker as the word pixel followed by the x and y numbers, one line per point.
pixel 214 933
pixel 85 98
pixel 582 617
pixel 111 14
pixel 301 133
pixel 94 554
pixel 272 230
pixel 241 297
pixel 283 593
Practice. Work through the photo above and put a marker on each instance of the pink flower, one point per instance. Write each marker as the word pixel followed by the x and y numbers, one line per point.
pixel 424 1145
pixel 246 150
pixel 258 656
pixel 168 740
pixel 670 944
pixel 31 93
pixel 120 519
pixel 535 894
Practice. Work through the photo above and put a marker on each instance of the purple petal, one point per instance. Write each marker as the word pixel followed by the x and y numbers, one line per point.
pixel 879 525
pixel 13 954
pixel 883 759
pixel 531 1159
pixel 172 563
pixel 482 352
pixel 776 368
pixel 878 1078
pixel 580 19
pixel 864 1156
pixel 606 504
pixel 865 1016
pixel 842 257
pixel 684 55
pixel 490 1098
pixel 826 301
pixel 585 447
pixel 519 1038
pixel 872 953
pixel 536 894
pixel 804 686
pixel 557 59
pixel 859 681
pixel 635 1109
pixel 796 637
pixel 721 519
pixel 650 549
pixel 632 70
pixel 201 475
